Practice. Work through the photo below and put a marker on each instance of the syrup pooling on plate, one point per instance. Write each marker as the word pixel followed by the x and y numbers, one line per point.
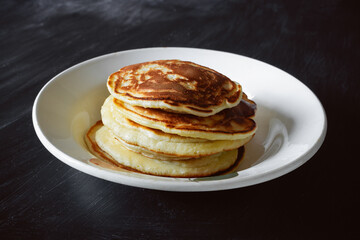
pixel 173 118
pixel 105 164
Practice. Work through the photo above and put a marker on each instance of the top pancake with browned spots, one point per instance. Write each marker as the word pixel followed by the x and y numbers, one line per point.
pixel 175 85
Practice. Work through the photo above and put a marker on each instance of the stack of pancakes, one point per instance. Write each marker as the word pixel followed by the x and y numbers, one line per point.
pixel 173 118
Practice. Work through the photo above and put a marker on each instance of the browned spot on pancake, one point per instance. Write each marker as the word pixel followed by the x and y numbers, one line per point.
pixel 233 98
pixel 247 106
pixel 200 110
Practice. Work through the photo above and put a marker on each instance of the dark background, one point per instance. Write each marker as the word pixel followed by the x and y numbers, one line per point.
pixel 315 41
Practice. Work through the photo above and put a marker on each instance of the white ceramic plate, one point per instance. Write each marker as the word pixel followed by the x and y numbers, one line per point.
pixel 291 121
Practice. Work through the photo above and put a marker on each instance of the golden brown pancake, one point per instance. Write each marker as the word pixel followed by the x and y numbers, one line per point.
pixel 175 85
pixel 229 124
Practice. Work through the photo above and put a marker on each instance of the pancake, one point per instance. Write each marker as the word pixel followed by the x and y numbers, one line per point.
pixel 103 143
pixel 172 118
pixel 154 143
pixel 230 124
pixel 176 86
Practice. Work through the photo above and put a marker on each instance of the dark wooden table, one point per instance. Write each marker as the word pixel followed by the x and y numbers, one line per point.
pixel 315 41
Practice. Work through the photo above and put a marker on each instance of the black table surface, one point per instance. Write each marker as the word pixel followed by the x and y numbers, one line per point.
pixel 315 41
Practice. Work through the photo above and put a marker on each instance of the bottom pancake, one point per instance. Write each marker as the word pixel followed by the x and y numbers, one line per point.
pixel 102 143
